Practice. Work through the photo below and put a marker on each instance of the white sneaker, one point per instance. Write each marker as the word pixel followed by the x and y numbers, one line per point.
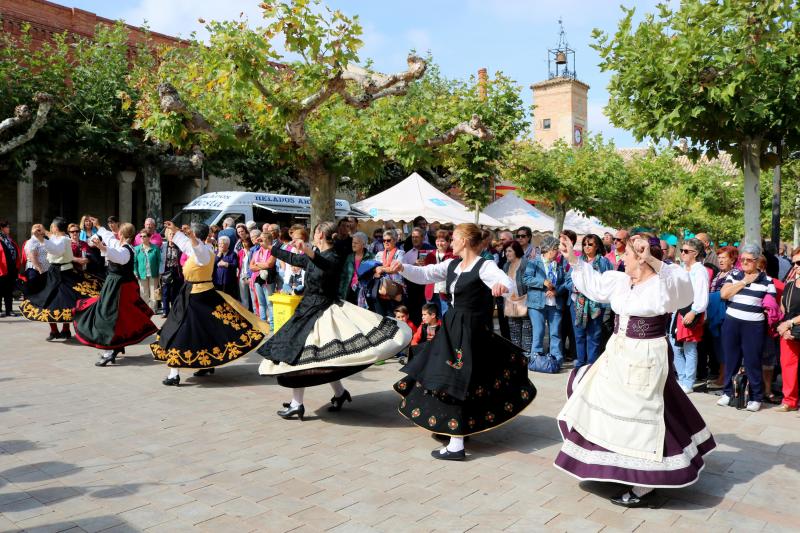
pixel 753 406
pixel 724 400
pixel 687 390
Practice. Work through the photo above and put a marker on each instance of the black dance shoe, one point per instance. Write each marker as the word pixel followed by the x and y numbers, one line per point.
pixel 290 411
pixel 629 499
pixel 172 381
pixel 53 336
pixel 203 372
pixel 66 335
pixel 107 359
pixel 448 455
pixel 338 401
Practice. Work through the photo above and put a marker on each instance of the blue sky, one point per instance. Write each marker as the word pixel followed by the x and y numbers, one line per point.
pixel 463 35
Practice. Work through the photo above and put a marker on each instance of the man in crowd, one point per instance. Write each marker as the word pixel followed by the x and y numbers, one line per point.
pixel 343 243
pixel 416 256
pixel 427 238
pixel 608 241
pixel 229 230
pixel 617 255
pixel 377 242
pixel 524 236
pixel 150 228
pixel 711 255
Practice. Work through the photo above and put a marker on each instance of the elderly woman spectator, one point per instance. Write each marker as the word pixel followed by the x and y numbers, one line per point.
pixel 36 256
pixel 150 228
pixel 687 323
pixel 789 331
pixel 242 249
pixel 546 281
pixel 745 325
pixel 147 267
pixel 226 263
pixel 587 315
pixel 171 272
pixel 515 306
pixel 87 228
pixel 10 263
pixel 384 302
pixel 350 287
pixel 80 250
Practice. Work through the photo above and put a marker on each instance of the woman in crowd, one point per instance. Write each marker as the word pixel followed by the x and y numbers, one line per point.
pixel 80 249
pixel 715 312
pixel 443 253
pixel 205 328
pixel 627 419
pixel 10 263
pixel 467 379
pixel 326 339
pixel 789 331
pixel 243 247
pixel 171 276
pixel 687 328
pixel 745 325
pixel 118 317
pixel 86 229
pixel 55 300
pixel 147 264
pixel 587 314
pixel 36 265
pixel 350 288
pixel 519 323
pixel 225 264
pixel 385 304
pixel 259 261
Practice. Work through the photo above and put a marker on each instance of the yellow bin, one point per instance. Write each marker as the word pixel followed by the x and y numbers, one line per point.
pixel 283 306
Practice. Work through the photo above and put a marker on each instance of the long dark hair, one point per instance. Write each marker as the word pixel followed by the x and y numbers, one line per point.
pixel 599 247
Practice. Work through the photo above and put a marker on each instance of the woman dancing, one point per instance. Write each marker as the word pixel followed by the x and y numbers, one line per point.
pixel 54 301
pixel 627 419
pixel 118 317
pixel 326 339
pixel 467 379
pixel 205 328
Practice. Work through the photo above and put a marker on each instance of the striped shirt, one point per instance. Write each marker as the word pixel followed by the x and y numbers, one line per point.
pixel 746 304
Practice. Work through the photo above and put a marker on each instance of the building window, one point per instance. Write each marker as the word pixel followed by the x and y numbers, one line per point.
pixel 546 124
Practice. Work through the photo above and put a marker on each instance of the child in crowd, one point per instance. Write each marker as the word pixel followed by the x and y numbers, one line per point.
pixel 430 325
pixel 401 313
pixel 296 282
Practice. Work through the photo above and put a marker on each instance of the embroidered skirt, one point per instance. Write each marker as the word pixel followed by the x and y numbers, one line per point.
pixel 344 339
pixel 207 329
pixel 117 318
pixel 686 441
pixel 55 299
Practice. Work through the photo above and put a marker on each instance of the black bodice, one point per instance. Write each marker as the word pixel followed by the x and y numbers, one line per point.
pixel 471 293
pixel 322 272
pixel 124 271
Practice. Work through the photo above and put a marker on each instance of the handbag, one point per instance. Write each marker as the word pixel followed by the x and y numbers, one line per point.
pixel 167 277
pixel 515 308
pixel 546 363
pixel 741 390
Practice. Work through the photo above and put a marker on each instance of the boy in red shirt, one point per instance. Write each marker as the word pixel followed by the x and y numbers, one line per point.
pixel 429 327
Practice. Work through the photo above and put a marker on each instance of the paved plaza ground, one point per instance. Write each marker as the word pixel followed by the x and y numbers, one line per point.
pixel 111 449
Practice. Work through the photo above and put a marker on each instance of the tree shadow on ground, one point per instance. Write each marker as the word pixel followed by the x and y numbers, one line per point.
pixel 17 446
pixel 6 408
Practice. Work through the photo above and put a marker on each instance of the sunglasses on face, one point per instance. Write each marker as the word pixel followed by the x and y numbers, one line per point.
pixel 388 240
pixel 748 260
pixel 687 251
pixel 796 263
pixel 617 239
pixel 522 236
pixel 74 231
pixel 585 244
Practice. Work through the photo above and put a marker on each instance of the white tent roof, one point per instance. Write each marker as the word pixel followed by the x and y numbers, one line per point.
pixel 515 212
pixel 415 197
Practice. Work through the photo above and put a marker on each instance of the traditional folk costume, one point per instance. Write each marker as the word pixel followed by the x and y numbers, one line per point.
pixel 205 328
pixel 467 379
pixel 627 419
pixel 55 300
pixel 327 338
pixel 118 317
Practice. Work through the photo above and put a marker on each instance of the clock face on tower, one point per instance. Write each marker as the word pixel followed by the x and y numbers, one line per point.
pixel 577 136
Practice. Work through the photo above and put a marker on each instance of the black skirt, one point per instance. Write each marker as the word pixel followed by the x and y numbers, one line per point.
pixel 205 330
pixel 55 299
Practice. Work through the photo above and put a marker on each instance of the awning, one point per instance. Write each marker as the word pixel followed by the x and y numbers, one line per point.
pixel 304 212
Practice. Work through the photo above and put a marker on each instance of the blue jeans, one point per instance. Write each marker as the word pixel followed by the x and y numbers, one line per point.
pixel 264 305
pixel 685 360
pixel 550 315
pixel 587 340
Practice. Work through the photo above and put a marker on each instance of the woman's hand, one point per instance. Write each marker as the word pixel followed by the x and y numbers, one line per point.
pixel 499 289
pixel 567 249
pixel 642 249
pixel 689 317
pixel 168 224
pixel 750 278
pixel 222 264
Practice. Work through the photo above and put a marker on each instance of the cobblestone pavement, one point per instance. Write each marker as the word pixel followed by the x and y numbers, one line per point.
pixel 111 449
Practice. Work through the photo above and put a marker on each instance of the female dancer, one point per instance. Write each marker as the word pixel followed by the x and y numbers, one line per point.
pixel 627 419
pixel 205 328
pixel 467 379
pixel 326 339
pixel 118 317
pixel 55 300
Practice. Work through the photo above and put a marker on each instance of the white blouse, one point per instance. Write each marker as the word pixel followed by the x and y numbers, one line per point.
pixel 202 252
pixel 115 252
pixel 489 273
pixel 666 292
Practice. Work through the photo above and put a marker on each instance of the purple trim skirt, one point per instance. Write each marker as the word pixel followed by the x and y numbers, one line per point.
pixel 686 441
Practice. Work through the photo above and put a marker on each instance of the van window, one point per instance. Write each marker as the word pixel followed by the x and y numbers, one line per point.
pixel 206 216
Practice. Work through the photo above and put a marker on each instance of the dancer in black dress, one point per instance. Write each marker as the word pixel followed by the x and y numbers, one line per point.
pixel 118 317
pixel 467 379
pixel 326 339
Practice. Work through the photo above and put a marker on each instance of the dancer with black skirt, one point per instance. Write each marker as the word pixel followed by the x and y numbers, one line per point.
pixel 205 328
pixel 118 317
pixel 55 300
pixel 467 379
pixel 326 339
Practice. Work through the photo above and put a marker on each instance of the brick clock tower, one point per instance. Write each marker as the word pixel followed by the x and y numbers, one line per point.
pixel 561 100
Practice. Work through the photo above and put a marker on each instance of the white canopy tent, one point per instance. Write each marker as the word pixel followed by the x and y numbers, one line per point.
pixel 515 212
pixel 415 197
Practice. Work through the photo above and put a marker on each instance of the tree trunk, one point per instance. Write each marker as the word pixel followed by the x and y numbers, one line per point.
pixel 559 213
pixel 776 200
pixel 323 195
pixel 152 188
pixel 751 161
